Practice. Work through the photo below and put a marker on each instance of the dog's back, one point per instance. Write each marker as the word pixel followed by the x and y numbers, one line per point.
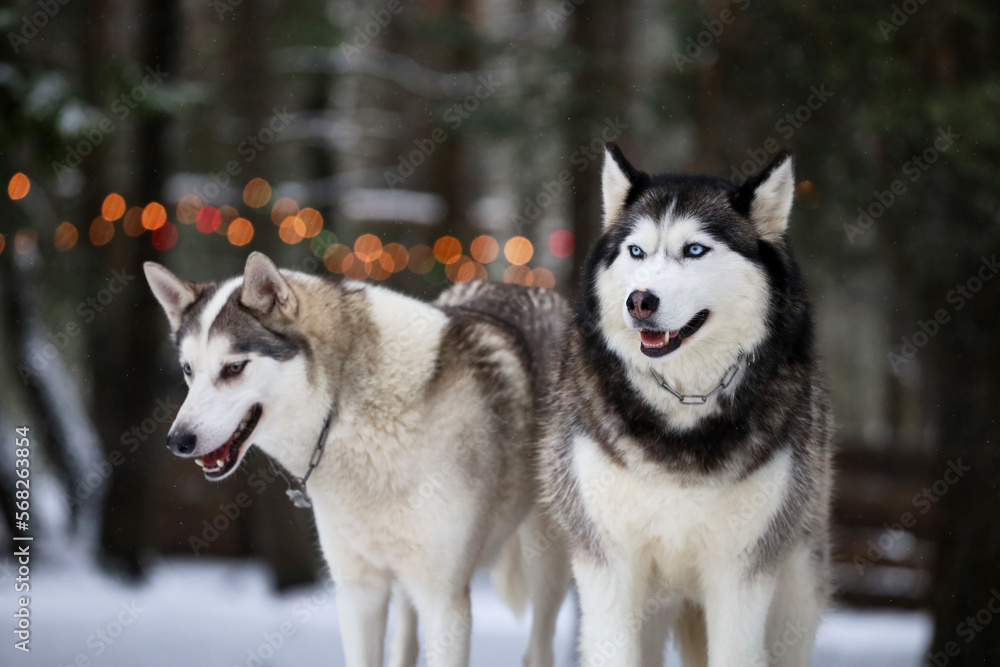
pixel 535 317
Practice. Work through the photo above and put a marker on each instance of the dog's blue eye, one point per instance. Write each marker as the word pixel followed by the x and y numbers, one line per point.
pixel 187 369
pixel 694 250
pixel 636 252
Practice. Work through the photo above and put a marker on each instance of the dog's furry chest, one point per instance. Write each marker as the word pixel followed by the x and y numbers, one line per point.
pixel 675 522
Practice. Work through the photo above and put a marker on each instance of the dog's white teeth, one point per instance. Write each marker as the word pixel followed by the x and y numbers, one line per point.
pixel 200 462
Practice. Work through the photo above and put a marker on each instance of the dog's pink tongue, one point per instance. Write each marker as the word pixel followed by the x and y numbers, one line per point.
pixel 653 337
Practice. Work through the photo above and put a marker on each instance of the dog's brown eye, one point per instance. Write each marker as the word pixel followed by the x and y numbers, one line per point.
pixel 234 369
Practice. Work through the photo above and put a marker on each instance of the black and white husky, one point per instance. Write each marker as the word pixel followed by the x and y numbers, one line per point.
pixel 415 424
pixel 688 451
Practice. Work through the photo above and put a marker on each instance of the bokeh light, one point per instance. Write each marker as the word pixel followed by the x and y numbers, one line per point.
pixel 376 271
pixel 153 216
pixel 334 256
pixel 368 247
pixel 323 240
pixel 394 257
pixel 453 269
pixel 133 221
pixel 240 232
pixel 113 207
pixel 562 243
pixel 101 231
pixel 289 232
pixel 447 249
pixel 18 186
pixel 25 241
pixel 228 213
pixel 187 209
pixel 312 222
pixel 808 195
pixel 3 243
pixel 66 236
pixel 209 219
pixel 282 209
pixel 355 268
pixel 518 250
pixel 518 274
pixel 421 259
pixel 543 278
pixel 257 193
pixel 165 236
pixel 484 249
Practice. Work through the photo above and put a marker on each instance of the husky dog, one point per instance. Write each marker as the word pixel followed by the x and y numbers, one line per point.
pixel 423 421
pixel 688 451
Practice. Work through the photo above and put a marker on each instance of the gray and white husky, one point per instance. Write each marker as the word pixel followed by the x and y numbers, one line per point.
pixel 688 450
pixel 423 419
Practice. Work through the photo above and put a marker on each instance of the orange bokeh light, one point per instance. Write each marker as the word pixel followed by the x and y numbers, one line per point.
pixel 368 247
pixel 518 274
pixel 376 271
pixel 257 193
pixel 240 232
pixel 66 236
pixel 543 278
pixel 101 231
pixel 188 208
pixel 394 257
pixel 3 244
pixel 355 268
pixel 447 249
pixel 518 250
pixel 462 270
pixel 334 256
pixel 228 214
pixel 312 222
pixel 113 207
pixel 421 259
pixel 283 209
pixel 289 232
pixel 153 216
pixel 484 249
pixel 18 186
pixel 133 221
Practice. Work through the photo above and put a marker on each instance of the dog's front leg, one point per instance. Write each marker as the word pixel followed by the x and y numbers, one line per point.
pixel 610 628
pixel 363 606
pixel 736 609
pixel 447 622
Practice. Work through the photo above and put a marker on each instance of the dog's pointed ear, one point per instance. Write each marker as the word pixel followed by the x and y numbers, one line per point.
pixel 265 289
pixel 617 180
pixel 766 197
pixel 173 293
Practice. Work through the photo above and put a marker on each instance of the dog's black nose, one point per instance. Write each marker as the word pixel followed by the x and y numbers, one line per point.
pixel 182 443
pixel 641 304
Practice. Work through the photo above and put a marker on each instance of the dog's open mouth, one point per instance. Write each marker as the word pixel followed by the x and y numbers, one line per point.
pixel 218 463
pixel 661 343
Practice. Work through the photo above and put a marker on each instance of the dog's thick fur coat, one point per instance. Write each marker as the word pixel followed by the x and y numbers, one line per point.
pixel 429 464
pixel 709 520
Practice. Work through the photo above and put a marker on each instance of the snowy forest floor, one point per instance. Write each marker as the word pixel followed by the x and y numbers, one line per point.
pixel 224 614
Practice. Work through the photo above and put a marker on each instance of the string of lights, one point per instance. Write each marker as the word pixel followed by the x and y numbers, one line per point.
pixel 367 257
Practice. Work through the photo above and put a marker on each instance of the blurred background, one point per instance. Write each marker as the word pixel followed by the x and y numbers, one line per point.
pixel 428 142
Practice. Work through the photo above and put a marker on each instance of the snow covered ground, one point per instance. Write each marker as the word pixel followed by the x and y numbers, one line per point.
pixel 224 614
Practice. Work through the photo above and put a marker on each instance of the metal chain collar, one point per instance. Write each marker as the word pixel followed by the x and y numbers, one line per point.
pixel 700 399
pixel 300 496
